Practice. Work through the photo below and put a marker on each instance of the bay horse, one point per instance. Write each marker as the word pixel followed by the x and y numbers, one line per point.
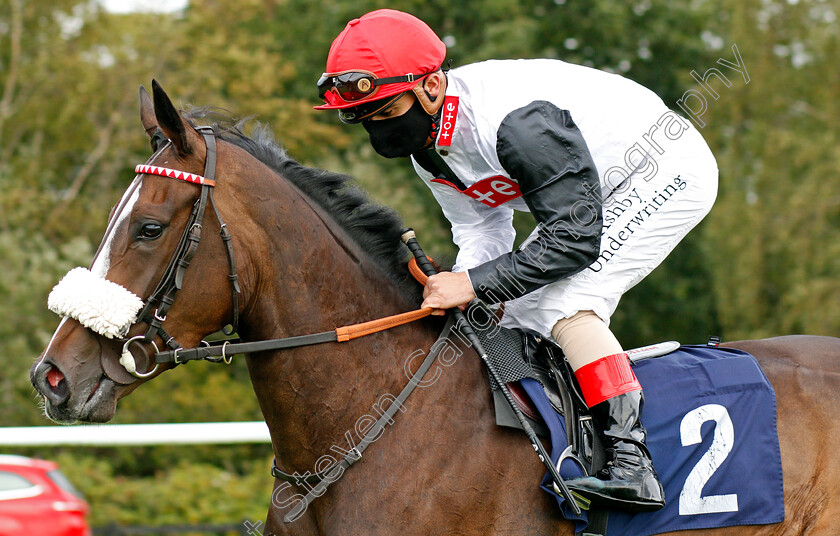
pixel 312 254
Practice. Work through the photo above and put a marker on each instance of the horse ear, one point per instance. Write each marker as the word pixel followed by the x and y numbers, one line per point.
pixel 181 133
pixel 147 113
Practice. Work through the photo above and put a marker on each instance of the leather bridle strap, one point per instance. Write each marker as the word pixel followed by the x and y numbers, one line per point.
pixel 226 349
pixel 158 304
pixel 324 478
pixel 233 277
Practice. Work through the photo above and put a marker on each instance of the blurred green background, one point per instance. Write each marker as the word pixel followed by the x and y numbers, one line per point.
pixel 765 262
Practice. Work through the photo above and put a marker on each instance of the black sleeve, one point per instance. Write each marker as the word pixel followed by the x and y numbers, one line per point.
pixel 543 150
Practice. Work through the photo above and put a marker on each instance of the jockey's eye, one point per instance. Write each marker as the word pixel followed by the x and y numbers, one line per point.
pixel 150 231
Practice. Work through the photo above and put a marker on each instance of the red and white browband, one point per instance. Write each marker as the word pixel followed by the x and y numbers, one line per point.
pixel 174 174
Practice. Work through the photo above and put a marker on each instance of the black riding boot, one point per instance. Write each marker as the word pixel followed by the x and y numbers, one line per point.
pixel 628 481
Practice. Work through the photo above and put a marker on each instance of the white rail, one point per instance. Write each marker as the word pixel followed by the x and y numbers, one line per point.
pixel 136 434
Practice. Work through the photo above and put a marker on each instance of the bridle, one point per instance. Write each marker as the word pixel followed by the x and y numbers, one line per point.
pixel 157 305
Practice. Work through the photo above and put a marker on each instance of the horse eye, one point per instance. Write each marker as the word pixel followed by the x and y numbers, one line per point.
pixel 150 231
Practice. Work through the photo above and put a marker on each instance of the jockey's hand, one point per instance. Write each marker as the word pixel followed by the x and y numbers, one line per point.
pixel 446 290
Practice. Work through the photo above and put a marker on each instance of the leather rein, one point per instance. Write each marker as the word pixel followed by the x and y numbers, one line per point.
pixel 218 351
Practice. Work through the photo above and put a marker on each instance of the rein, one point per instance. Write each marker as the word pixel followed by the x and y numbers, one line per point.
pixel 224 350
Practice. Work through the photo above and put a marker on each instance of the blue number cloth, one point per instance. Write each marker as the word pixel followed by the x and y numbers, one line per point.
pixel 710 414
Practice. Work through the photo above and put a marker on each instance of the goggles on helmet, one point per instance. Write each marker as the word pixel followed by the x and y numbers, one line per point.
pixel 352 86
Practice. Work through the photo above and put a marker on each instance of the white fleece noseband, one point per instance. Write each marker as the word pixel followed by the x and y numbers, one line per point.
pixel 98 304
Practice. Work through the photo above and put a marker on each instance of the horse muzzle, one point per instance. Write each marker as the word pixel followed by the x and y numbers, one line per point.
pixel 92 400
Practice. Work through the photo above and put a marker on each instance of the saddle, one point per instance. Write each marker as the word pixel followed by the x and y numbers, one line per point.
pixel 520 354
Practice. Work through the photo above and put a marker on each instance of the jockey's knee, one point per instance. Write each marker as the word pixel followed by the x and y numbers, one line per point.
pixel 585 338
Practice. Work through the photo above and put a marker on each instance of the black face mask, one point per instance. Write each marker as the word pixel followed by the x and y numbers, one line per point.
pixel 401 135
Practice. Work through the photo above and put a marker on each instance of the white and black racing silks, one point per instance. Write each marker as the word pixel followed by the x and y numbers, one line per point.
pixel 539 135
pixel 553 176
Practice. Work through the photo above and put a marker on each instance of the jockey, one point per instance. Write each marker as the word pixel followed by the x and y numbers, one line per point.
pixel 612 177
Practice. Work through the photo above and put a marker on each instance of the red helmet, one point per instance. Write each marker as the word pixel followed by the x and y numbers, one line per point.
pixel 380 55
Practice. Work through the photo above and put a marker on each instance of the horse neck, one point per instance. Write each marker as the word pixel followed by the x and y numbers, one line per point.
pixel 312 277
pixel 309 274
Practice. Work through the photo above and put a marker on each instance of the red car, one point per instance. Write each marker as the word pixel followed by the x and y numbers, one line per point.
pixel 36 499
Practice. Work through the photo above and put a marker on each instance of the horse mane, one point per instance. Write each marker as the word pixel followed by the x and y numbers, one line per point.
pixel 374 227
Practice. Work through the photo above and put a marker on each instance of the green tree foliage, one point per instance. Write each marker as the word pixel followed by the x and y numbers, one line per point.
pixel 772 237
pixel 185 492
pixel 764 262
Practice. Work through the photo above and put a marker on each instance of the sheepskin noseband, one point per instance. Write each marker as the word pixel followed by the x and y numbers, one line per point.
pixel 98 304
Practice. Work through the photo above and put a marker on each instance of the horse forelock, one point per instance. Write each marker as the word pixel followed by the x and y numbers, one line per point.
pixel 374 227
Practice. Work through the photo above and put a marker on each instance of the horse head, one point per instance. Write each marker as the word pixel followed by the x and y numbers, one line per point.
pixel 108 309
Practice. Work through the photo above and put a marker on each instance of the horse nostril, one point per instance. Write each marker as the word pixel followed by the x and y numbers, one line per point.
pixel 52 384
pixel 54 377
